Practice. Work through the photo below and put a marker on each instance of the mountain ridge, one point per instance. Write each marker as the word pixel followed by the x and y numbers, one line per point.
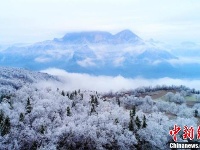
pixel 93 52
pixel 85 37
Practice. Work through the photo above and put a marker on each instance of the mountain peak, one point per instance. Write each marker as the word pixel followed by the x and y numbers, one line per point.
pixel 126 31
pixel 87 37
pixel 125 36
pixel 128 36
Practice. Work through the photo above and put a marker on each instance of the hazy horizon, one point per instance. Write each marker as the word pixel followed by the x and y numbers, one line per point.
pixel 33 21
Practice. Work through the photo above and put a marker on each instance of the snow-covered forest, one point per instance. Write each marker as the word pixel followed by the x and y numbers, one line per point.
pixel 48 118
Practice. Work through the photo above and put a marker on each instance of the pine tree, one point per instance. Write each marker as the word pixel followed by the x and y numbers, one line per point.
pixel 92 99
pixel 73 104
pixel 131 125
pixel 116 121
pixel 21 117
pixel 131 114
pixel 81 96
pixel 68 111
pixel 144 125
pixel 28 106
pixel 1 121
pixel 34 146
pixel 42 129
pixel 131 128
pixel 67 94
pixel 118 102
pixel 133 110
pixel 196 113
pixel 75 93
pixel 138 122
pixel 1 118
pixel 71 96
pixel 63 93
pixel 6 126
pixel 96 101
pixel 92 109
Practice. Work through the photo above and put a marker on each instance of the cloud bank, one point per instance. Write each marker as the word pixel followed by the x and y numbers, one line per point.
pixel 185 60
pixel 74 81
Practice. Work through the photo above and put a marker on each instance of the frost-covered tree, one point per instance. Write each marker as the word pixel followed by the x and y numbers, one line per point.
pixel 178 98
pixel 169 96
pixel 197 96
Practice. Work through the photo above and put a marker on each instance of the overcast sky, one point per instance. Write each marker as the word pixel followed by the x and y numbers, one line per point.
pixel 36 20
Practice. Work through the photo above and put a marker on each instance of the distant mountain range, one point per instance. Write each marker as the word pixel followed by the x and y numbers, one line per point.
pixel 97 53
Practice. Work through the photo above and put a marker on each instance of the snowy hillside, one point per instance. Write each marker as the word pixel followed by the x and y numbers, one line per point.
pixel 15 78
pixel 48 117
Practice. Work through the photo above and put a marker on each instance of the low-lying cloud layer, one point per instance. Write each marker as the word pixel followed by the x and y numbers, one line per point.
pixel 185 60
pixel 74 81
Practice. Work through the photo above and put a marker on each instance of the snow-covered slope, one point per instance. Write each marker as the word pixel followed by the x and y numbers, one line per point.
pixel 44 117
pixel 15 78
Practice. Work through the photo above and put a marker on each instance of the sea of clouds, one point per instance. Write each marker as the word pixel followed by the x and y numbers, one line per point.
pixel 74 81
